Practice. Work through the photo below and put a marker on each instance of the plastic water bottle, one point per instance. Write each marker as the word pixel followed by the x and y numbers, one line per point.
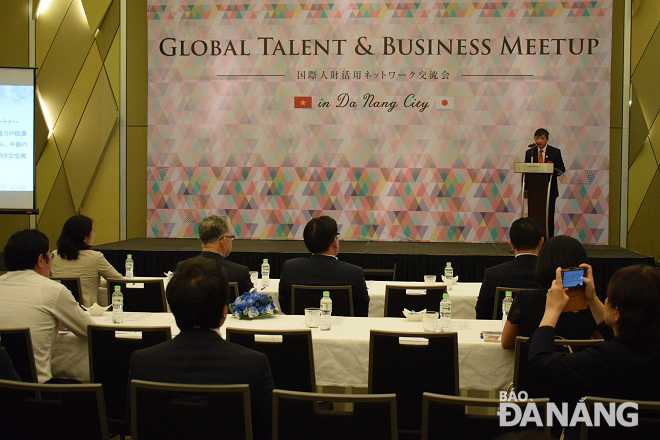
pixel 506 306
pixel 265 273
pixel 129 267
pixel 449 276
pixel 326 312
pixel 117 306
pixel 445 313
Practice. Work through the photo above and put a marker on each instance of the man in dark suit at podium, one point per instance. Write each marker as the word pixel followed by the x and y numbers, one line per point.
pixel 323 268
pixel 216 237
pixel 541 152
pixel 526 239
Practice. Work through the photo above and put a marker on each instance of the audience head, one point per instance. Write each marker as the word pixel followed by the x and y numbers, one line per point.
pixel 77 235
pixel 320 235
pixel 198 293
pixel 525 235
pixel 560 251
pixel 632 307
pixel 215 234
pixel 28 249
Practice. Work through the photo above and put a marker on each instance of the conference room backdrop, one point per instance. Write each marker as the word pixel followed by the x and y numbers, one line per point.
pixel 402 120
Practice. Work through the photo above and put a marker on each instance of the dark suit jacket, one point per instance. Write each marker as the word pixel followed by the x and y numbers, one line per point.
pixel 518 272
pixel 235 272
pixel 553 155
pixel 323 270
pixel 201 356
pixel 606 369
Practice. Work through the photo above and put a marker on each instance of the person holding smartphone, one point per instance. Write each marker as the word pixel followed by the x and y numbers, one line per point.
pixel 625 366
pixel 577 322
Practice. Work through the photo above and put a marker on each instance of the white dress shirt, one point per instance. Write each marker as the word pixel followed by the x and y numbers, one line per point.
pixel 28 299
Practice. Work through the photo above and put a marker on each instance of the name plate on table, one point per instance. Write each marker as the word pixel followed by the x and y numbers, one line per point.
pixel 415 291
pixel 134 285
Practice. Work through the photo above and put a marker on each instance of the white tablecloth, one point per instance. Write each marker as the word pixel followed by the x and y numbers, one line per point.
pixel 341 356
pixel 463 296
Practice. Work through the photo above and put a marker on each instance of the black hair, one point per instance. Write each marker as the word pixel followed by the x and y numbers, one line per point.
pixel 319 233
pixel 23 249
pixel 635 292
pixel 525 234
pixel 72 239
pixel 542 132
pixel 198 293
pixel 560 251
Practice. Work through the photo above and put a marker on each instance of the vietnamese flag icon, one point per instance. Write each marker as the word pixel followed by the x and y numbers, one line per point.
pixel 302 102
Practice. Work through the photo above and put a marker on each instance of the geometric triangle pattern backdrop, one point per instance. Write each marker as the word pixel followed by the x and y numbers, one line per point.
pixel 401 120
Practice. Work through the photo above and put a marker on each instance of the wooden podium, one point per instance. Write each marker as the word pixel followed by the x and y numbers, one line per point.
pixel 536 178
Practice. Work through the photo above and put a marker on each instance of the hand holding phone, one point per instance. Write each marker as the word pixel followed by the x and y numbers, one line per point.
pixel 571 279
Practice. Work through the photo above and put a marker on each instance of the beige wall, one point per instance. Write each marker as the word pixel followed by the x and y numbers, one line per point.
pixel 644 151
pixel 79 77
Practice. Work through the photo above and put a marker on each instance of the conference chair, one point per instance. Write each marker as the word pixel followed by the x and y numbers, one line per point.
pixel 408 364
pixel 290 354
pixel 296 415
pixel 161 411
pixel 499 297
pixel 110 350
pixel 54 412
pixel 380 274
pixel 523 381
pixel 399 297
pixel 233 291
pixel 303 297
pixel 140 295
pixel 73 284
pixel 648 420
pixel 18 343
pixel 445 417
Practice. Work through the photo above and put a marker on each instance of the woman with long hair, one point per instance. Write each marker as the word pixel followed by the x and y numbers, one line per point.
pixel 528 308
pixel 75 258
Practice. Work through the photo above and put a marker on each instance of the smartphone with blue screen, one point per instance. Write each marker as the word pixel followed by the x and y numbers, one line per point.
pixel 572 277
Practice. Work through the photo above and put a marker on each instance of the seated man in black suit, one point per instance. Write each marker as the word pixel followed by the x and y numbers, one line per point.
pixel 526 239
pixel 216 237
pixel 197 295
pixel 323 268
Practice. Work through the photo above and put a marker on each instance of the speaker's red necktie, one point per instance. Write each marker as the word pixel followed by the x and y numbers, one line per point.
pixel 540 156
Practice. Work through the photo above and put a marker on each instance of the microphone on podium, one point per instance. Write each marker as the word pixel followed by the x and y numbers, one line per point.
pixel 531 145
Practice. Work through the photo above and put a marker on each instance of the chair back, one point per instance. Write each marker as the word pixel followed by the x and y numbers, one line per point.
pixel 289 352
pixel 161 411
pixel 44 411
pixel 536 386
pixel 445 417
pixel 296 416
pixel 110 350
pixel 408 364
pixel 648 420
pixel 233 291
pixel 499 297
pixel 140 295
pixel 18 343
pixel 399 297
pixel 73 284
pixel 380 274
pixel 303 297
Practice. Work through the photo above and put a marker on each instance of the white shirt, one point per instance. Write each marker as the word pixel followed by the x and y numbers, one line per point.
pixel 28 299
